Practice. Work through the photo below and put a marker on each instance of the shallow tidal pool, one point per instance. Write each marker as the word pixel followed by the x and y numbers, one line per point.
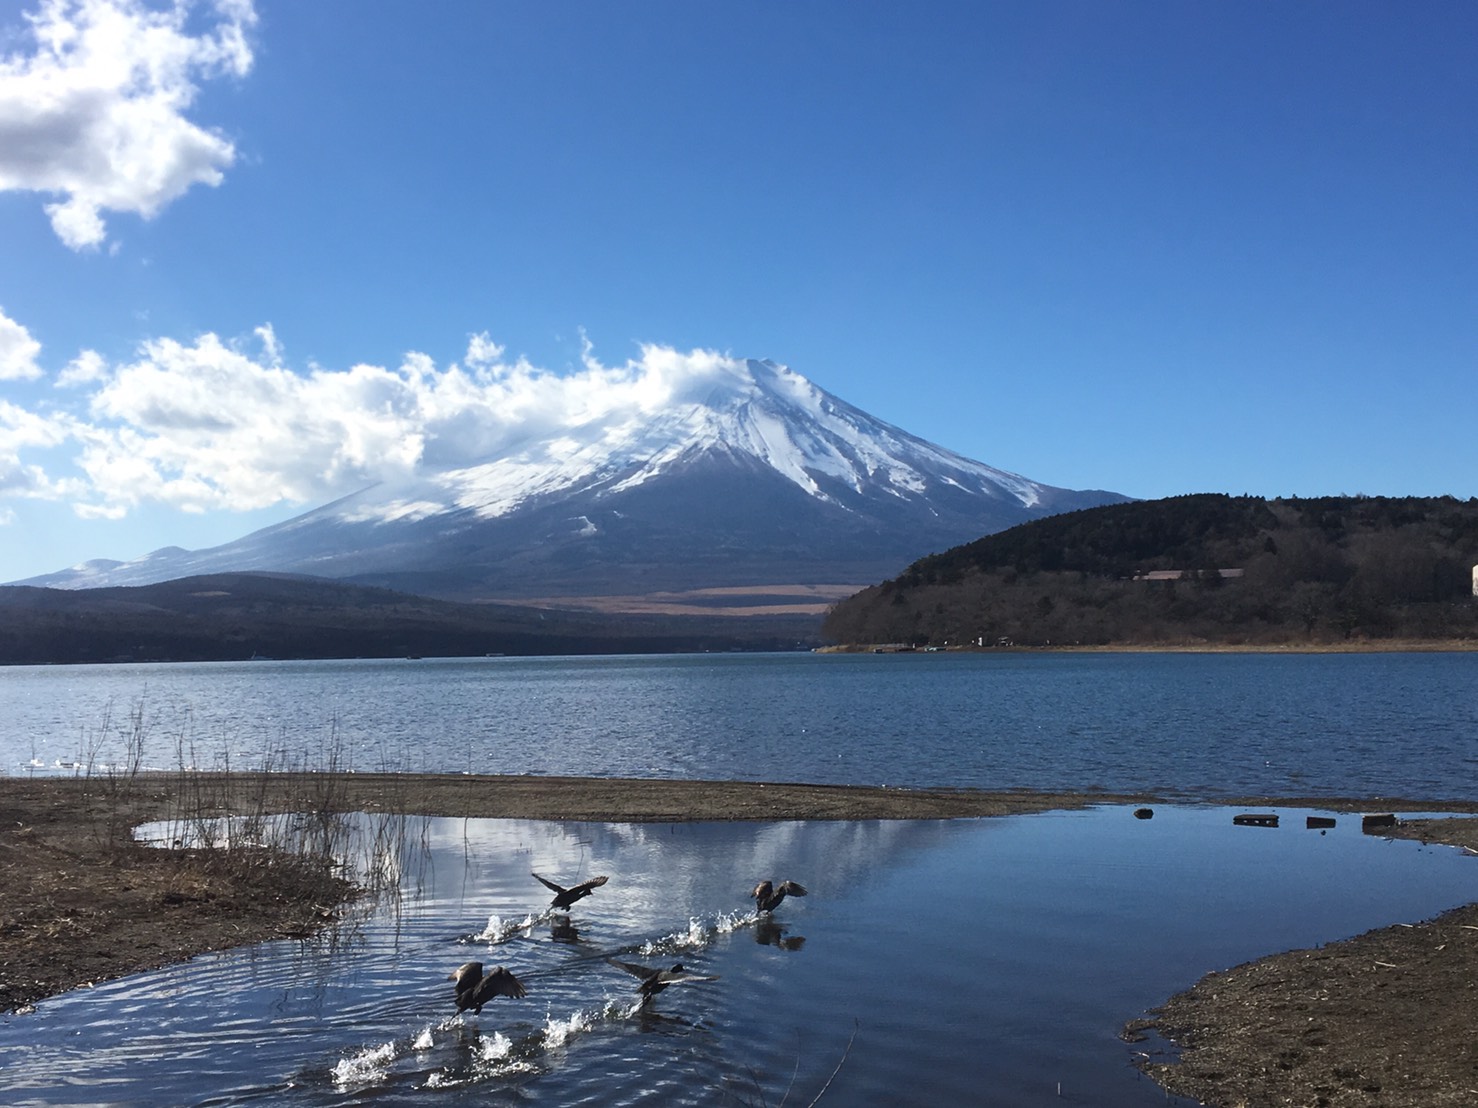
pixel 970 961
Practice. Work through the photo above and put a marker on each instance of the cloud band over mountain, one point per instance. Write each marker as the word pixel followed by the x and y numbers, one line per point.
pixel 211 424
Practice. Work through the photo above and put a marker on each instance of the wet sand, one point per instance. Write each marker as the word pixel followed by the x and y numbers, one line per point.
pixel 1380 1019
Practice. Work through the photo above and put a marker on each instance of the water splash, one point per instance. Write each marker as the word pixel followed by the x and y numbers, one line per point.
pixel 558 1033
pixel 698 933
pixel 499 930
pixel 497 1056
pixel 495 1049
pixel 480 1057
pixel 368 1067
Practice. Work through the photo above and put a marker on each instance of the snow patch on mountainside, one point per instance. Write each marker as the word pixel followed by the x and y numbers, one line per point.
pixel 393 511
pixel 759 409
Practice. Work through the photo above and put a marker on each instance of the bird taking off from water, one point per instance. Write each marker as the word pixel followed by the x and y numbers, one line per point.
pixel 655 980
pixel 767 897
pixel 474 990
pixel 564 897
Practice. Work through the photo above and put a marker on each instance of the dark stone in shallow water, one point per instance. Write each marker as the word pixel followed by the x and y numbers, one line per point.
pixel 1256 819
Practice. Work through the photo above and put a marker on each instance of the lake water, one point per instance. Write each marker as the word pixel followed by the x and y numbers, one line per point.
pixel 975 962
pixel 1191 724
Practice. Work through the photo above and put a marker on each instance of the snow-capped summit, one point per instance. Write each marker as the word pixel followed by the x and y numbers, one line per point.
pixel 732 474
pixel 760 411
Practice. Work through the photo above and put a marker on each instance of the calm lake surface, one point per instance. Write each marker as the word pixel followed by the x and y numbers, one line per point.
pixel 1193 724
pixel 975 961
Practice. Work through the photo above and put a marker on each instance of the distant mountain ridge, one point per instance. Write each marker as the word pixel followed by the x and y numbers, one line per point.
pixel 242 616
pixel 752 477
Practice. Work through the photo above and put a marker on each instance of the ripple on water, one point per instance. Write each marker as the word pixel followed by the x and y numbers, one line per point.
pixel 997 955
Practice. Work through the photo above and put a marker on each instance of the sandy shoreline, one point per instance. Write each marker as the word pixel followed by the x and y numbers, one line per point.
pixel 1380 1019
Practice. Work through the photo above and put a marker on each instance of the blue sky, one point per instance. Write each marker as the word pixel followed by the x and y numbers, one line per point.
pixel 1150 247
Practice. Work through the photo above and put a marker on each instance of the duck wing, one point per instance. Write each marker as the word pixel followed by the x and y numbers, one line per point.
pixel 499 982
pixel 548 884
pixel 678 976
pixel 646 973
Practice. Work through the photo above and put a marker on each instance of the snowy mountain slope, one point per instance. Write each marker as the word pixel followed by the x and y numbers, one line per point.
pixel 769 413
pixel 749 475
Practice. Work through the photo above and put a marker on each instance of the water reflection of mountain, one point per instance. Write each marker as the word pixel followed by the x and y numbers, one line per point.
pixel 656 869
pixel 1072 922
pixel 673 871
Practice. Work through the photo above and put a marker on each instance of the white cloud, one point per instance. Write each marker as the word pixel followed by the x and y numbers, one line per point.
pixel 20 428
pixel 206 426
pixel 95 112
pixel 482 352
pixel 18 351
pixel 85 368
pixel 212 425
pixel 23 431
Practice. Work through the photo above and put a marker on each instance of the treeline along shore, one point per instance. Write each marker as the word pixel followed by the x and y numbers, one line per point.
pixel 1201 570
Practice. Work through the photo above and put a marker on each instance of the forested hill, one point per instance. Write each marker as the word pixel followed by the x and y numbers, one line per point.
pixel 1206 568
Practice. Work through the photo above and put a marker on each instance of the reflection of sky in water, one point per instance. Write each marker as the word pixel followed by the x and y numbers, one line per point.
pixel 975 961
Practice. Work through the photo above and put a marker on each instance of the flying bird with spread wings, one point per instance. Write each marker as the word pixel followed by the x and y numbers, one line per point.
pixel 653 981
pixel 564 897
pixel 474 990
pixel 767 897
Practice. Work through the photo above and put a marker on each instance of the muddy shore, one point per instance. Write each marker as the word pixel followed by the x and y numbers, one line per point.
pixel 1380 1019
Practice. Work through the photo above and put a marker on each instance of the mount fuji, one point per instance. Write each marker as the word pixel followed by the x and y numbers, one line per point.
pixel 746 484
